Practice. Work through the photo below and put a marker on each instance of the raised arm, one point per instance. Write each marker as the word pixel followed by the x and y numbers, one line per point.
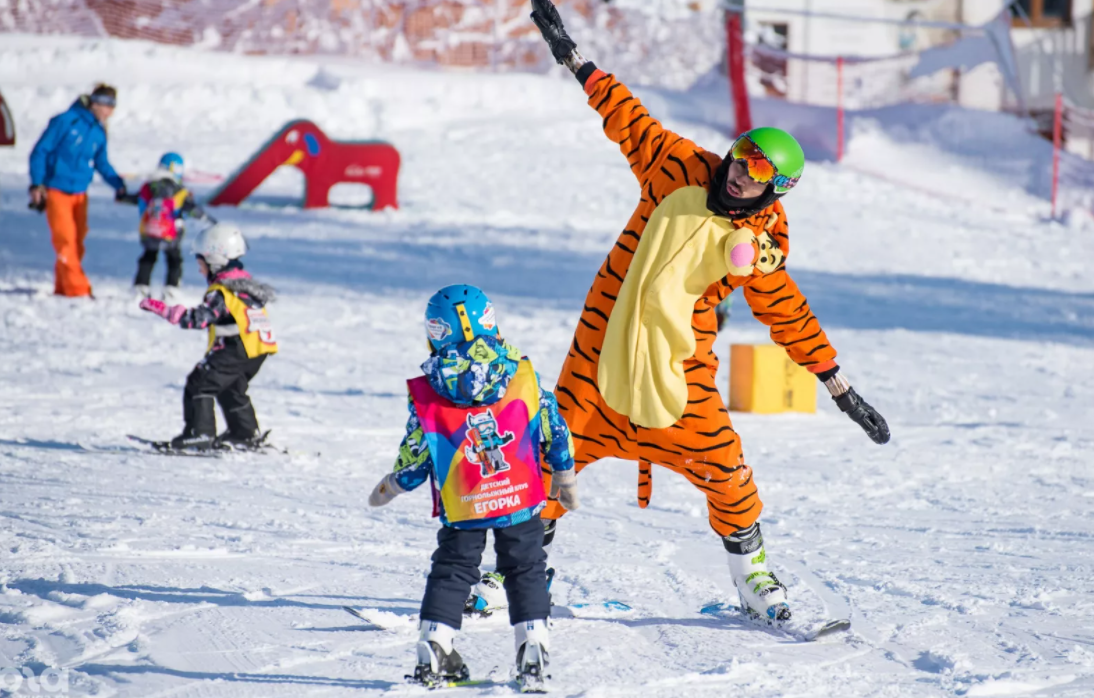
pixel 655 154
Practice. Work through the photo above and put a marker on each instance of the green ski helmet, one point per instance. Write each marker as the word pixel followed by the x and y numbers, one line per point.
pixel 772 155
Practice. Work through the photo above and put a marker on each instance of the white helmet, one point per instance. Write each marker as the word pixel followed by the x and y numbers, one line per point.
pixel 219 244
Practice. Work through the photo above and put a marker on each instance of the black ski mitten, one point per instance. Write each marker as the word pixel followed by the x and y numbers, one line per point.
pixel 863 415
pixel 546 18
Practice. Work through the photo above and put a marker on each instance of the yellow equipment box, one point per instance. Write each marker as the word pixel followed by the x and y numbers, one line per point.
pixel 764 380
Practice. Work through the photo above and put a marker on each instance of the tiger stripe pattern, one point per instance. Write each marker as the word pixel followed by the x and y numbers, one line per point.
pixel 702 445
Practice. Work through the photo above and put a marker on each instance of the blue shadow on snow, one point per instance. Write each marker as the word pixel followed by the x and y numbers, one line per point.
pixel 389 256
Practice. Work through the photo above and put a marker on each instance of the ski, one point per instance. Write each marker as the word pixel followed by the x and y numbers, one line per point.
pixel 806 632
pixel 165 448
pixel 219 448
pixel 610 605
pixel 434 682
pixel 357 614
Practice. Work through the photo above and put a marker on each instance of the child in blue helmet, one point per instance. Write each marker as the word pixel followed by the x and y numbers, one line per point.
pixel 483 432
pixel 162 203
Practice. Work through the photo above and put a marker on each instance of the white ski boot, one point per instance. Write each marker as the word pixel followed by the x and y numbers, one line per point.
pixel 142 291
pixel 487 596
pixel 438 661
pixel 171 295
pixel 533 642
pixel 763 596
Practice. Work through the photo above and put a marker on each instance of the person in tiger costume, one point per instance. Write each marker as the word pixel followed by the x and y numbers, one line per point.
pixel 638 382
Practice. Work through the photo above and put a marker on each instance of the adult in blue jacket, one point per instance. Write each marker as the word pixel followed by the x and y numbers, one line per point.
pixel 62 164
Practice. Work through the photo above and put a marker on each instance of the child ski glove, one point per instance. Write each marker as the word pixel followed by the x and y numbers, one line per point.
pixel 857 409
pixel 385 491
pixel 550 26
pixel 171 314
pixel 564 489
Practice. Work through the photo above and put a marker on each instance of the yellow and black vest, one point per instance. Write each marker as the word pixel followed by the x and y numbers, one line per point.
pixel 252 325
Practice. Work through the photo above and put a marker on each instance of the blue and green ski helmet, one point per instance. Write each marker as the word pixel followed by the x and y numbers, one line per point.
pixel 459 313
pixel 172 162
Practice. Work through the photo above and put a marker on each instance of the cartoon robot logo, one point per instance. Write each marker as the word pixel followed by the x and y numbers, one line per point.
pixel 486 443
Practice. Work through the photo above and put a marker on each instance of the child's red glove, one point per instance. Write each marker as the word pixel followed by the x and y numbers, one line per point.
pixel 171 314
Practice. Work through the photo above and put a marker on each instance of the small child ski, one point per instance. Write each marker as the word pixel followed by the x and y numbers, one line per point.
pixel 162 203
pixel 240 339
pixel 480 429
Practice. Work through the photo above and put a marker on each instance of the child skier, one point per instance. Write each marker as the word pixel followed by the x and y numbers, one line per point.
pixel 240 339
pixel 479 427
pixel 162 203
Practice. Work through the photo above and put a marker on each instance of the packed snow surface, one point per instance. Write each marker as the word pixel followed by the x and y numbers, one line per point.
pixel 963 551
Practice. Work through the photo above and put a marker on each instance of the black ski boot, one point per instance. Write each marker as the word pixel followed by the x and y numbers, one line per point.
pixel 200 431
pixel 188 441
pixel 436 667
pixel 254 442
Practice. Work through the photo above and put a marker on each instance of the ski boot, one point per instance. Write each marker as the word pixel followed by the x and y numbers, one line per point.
pixel 142 291
pixel 188 441
pixel 533 642
pixel 171 295
pixel 487 596
pixel 439 663
pixel 763 596
pixel 254 442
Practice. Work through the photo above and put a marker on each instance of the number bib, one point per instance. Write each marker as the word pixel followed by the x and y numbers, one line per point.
pixel 485 458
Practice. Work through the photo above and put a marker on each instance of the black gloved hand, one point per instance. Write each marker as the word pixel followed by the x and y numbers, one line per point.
pixel 121 196
pixel 865 416
pixel 37 195
pixel 546 18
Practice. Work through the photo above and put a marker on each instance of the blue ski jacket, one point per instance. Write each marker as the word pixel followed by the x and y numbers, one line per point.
pixel 461 379
pixel 70 151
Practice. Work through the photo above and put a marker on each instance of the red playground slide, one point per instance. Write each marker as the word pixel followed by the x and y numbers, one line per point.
pixel 7 124
pixel 324 163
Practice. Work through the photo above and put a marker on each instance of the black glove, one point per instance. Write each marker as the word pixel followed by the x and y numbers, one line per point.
pixel 37 198
pixel 121 197
pixel 865 416
pixel 546 18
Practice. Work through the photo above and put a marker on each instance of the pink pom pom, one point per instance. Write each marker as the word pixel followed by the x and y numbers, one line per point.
pixel 742 255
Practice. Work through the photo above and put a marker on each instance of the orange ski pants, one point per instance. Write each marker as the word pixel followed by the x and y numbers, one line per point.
pixel 67 218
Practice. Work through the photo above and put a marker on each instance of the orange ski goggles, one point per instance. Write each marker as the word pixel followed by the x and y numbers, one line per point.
pixel 759 167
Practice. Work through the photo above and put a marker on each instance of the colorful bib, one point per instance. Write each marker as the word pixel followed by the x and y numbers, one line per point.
pixel 485 458
pixel 254 325
pixel 160 220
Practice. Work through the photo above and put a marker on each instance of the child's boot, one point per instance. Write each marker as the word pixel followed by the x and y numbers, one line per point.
pixel 762 594
pixel 487 596
pixel 438 660
pixel 242 429
pixel 532 658
pixel 201 426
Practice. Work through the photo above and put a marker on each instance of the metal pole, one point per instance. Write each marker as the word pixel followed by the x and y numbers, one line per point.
pixel 839 108
pixel 1057 137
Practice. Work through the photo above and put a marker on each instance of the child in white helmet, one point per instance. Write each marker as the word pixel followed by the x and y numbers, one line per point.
pixel 163 203
pixel 483 432
pixel 240 339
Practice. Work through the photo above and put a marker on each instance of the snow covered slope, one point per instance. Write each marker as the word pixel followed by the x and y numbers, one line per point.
pixel 963 549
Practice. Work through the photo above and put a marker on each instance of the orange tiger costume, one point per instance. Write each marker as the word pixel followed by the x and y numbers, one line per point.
pixel 701 445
